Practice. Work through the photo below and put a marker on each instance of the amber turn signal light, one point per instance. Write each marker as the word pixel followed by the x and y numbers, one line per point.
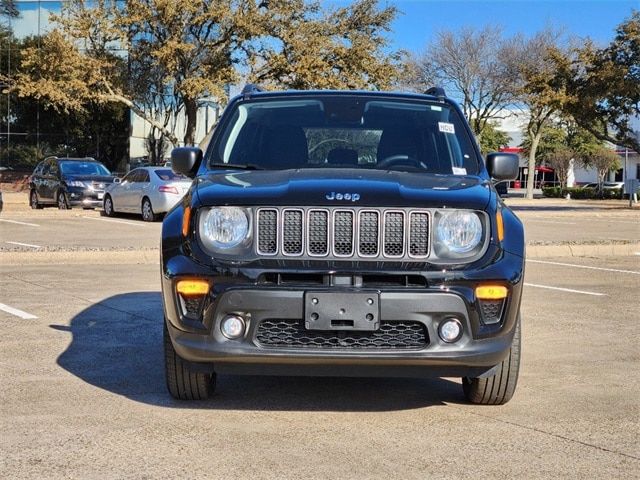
pixel 186 221
pixel 500 224
pixel 491 292
pixel 192 287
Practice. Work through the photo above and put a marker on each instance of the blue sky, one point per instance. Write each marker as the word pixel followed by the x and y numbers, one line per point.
pixel 421 19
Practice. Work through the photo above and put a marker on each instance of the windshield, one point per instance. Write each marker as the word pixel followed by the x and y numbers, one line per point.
pixel 83 168
pixel 169 175
pixel 340 131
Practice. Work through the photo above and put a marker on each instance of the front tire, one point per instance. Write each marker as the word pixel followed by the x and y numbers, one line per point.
pixel 108 206
pixel 500 387
pixel 62 201
pixel 33 200
pixel 147 211
pixel 182 382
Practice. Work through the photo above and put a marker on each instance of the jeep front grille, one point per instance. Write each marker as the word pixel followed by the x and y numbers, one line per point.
pixel 343 232
pixel 396 335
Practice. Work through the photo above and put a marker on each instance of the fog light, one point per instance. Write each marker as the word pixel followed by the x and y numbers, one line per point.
pixel 450 330
pixel 232 326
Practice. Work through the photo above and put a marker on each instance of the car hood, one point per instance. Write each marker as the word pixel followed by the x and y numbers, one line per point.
pixel 342 187
pixel 90 178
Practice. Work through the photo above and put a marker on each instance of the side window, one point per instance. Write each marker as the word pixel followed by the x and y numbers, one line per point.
pixel 54 169
pixel 38 169
pixel 130 177
pixel 143 176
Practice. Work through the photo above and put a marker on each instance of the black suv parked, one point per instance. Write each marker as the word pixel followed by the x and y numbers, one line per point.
pixel 68 182
pixel 343 233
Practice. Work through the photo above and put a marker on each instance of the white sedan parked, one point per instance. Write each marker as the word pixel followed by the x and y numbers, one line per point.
pixel 148 191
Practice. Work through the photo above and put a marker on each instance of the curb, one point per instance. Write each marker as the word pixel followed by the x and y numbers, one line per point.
pixel 151 256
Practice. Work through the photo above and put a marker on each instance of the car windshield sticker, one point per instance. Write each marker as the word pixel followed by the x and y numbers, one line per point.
pixel 459 171
pixel 436 108
pixel 446 127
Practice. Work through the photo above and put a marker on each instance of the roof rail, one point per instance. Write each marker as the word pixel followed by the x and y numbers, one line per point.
pixel 436 92
pixel 250 88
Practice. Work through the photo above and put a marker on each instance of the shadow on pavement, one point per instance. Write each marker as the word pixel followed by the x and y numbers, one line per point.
pixel 117 346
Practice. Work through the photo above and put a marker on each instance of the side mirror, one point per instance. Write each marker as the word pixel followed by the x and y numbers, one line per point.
pixel 186 160
pixel 503 166
pixel 117 180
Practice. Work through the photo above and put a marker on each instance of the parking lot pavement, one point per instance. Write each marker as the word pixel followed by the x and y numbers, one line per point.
pixel 83 392
pixel 578 224
pixel 77 229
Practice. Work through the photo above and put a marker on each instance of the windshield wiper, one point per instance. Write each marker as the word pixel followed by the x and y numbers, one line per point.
pixel 235 166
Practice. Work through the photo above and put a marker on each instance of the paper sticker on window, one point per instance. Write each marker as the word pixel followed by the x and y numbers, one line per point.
pixel 459 171
pixel 436 108
pixel 446 127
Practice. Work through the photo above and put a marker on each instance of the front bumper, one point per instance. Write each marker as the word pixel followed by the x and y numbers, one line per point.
pixel 198 339
pixel 78 197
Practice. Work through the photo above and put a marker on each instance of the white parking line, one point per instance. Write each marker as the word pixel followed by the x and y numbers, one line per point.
pixel 19 223
pixel 16 312
pixel 632 272
pixel 570 290
pixel 117 221
pixel 24 244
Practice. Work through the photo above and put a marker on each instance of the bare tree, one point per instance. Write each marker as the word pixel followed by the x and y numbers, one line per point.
pixel 604 161
pixel 156 145
pixel 479 66
pixel 560 160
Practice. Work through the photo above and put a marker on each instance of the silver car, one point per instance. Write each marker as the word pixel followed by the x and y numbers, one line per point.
pixel 148 191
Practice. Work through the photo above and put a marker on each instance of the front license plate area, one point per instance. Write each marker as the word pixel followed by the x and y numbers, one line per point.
pixel 341 311
pixel 100 195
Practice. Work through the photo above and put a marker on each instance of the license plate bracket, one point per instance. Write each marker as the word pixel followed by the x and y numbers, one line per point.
pixel 342 311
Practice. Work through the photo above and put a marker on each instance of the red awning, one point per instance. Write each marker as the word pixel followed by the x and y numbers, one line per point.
pixel 544 169
pixel 511 150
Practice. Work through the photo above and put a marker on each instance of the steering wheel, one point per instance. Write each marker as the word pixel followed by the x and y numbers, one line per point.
pixel 400 159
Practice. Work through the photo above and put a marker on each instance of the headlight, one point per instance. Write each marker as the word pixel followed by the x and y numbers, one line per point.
pixel 75 183
pixel 223 227
pixel 458 231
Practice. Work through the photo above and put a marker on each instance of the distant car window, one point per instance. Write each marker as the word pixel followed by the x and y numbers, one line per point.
pixel 130 177
pixel 74 167
pixel 38 169
pixel 54 169
pixel 143 176
pixel 168 175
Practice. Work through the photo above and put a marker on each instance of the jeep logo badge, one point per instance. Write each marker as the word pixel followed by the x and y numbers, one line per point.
pixel 353 197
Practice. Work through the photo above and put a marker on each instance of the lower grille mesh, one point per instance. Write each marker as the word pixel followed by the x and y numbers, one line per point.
pixel 491 310
pixel 284 333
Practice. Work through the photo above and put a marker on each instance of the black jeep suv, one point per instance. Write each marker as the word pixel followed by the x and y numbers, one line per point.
pixel 69 182
pixel 343 233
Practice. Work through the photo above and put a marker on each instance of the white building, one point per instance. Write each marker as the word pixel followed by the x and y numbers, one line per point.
pixel 513 122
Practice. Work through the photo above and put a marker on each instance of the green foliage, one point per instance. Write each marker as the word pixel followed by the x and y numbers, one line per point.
pixel 491 139
pixel 603 84
pixel 578 193
pixel 553 137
